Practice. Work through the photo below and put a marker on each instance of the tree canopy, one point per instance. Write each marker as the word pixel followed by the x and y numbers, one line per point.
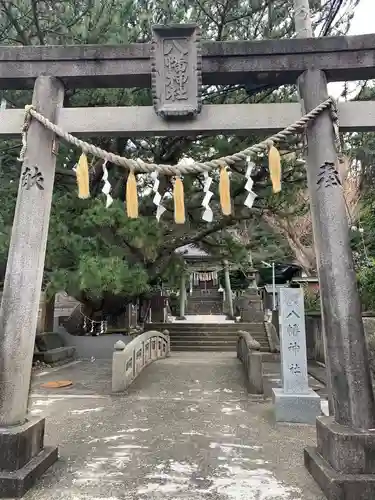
pixel 100 256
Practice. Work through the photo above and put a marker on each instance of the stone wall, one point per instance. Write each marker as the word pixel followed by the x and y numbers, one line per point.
pixel 205 304
pixel 87 347
pixel 314 337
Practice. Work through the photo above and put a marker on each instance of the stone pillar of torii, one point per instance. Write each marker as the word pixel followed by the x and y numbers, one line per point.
pixel 346 440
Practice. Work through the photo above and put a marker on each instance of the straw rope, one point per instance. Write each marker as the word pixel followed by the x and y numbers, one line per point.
pixel 140 166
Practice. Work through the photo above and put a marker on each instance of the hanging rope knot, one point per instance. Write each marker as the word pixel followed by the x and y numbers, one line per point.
pixel 28 108
pixel 336 128
pixel 25 128
pixel 27 117
pixel 334 109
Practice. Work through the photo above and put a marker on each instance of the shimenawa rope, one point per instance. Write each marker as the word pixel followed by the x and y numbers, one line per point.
pixel 197 167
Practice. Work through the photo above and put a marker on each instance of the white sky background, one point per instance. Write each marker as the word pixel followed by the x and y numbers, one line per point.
pixel 363 23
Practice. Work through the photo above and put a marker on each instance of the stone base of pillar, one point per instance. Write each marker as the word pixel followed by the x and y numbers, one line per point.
pixel 296 408
pixel 23 457
pixel 343 462
pixel 180 318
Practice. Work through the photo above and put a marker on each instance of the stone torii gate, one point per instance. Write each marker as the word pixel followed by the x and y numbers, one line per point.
pixel 342 463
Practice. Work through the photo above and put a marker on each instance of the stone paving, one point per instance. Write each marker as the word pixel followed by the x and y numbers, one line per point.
pixel 185 430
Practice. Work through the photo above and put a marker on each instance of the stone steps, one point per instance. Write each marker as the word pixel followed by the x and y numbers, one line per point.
pixel 213 338
pixel 203 340
pixel 203 298
pixel 228 326
pixel 198 343
pixel 204 303
pixel 209 327
pixel 202 308
pixel 211 303
pixel 203 347
pixel 208 347
pixel 258 333
pixel 210 336
pixel 193 332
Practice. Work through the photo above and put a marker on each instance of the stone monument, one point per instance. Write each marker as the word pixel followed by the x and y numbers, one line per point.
pixel 295 401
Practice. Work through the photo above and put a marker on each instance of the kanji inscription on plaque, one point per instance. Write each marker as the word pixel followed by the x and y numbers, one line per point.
pixel 176 71
pixel 293 341
pixel 176 64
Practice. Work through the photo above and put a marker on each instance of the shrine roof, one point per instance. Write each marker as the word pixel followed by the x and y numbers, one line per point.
pixel 269 288
pixel 192 251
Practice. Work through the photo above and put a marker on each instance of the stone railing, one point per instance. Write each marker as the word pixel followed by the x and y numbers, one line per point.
pixel 129 360
pixel 272 336
pixel 245 344
pixel 314 335
pixel 253 362
pixel 248 353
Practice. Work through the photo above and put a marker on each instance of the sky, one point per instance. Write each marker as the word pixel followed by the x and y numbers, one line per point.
pixel 362 24
pixel 363 21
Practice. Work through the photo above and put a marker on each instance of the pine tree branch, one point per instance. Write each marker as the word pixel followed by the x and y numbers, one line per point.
pixel 14 21
pixel 34 6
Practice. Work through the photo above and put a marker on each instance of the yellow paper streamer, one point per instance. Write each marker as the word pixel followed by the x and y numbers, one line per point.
pixel 224 191
pixel 131 196
pixel 82 174
pixel 179 201
pixel 274 165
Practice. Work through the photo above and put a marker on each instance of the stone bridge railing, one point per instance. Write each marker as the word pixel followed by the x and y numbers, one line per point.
pixel 129 360
pixel 248 353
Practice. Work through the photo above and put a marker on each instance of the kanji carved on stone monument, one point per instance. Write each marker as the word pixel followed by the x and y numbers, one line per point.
pixel 31 176
pixel 295 369
pixel 328 175
pixel 176 71
pixel 294 347
pixel 176 55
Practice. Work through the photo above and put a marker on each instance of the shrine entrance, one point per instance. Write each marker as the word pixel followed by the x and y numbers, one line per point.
pixel 176 65
pixel 204 282
pixel 200 283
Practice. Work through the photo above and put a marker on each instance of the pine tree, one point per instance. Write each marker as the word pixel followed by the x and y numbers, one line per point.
pixel 98 255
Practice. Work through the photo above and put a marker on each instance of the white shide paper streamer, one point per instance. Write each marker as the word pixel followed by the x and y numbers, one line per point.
pixel 250 198
pixel 157 196
pixel 207 214
pixel 106 189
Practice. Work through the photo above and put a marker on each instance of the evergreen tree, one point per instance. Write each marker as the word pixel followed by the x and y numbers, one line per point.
pixel 98 255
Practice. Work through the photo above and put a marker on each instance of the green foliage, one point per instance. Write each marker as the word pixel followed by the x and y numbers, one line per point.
pixel 366 283
pixel 97 254
pixel 238 280
pixel 97 251
pixel 362 237
pixel 312 299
